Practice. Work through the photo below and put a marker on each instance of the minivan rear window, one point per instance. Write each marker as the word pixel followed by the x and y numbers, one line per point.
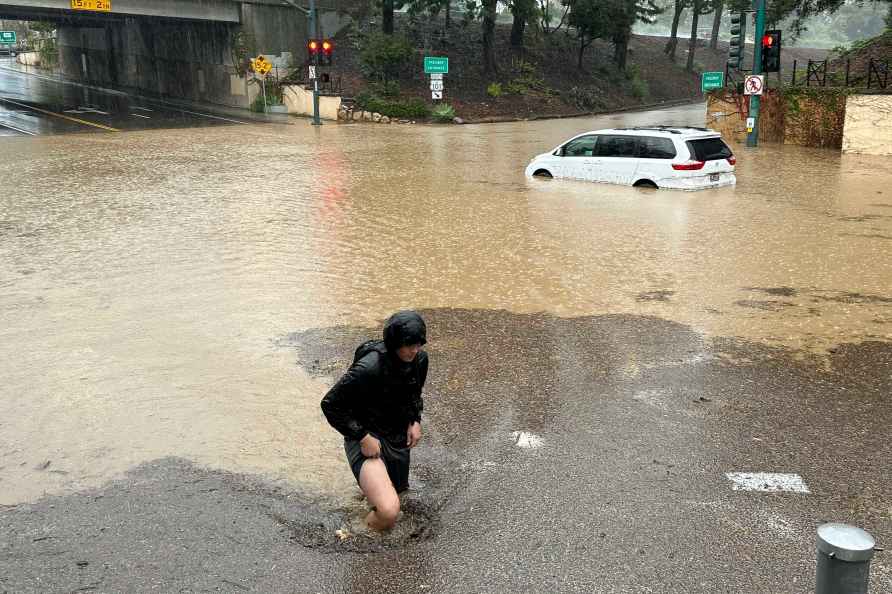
pixel 709 149
pixel 654 147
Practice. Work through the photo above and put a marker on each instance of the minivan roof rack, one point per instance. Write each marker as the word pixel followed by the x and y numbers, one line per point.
pixel 670 129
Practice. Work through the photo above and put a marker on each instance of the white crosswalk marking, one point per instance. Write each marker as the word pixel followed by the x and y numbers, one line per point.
pixel 767 482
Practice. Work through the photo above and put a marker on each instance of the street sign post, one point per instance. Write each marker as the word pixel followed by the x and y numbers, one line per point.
pixel 436 65
pixel 7 37
pixel 262 66
pixel 436 76
pixel 754 84
pixel 312 72
pixel 712 80
pixel 437 85
pixel 436 95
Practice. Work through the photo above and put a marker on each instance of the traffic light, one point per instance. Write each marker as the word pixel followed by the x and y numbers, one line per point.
pixel 771 51
pixel 314 48
pixel 327 50
pixel 738 40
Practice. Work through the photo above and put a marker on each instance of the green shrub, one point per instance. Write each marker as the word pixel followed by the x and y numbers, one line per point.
pixel 257 105
pixel 640 90
pixel 516 88
pixel 384 57
pixel 48 53
pixel 273 96
pixel 494 89
pixel 408 108
pixel 390 88
pixel 638 86
pixel 443 113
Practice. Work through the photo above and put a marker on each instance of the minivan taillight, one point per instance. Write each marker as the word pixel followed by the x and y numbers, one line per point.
pixel 689 166
pixel 732 160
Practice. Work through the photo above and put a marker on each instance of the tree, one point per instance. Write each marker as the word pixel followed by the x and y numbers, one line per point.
pixel 609 19
pixel 633 11
pixel 672 44
pixel 698 7
pixel 590 20
pixel 387 17
pixel 716 24
pixel 489 36
pixel 523 12
pixel 545 13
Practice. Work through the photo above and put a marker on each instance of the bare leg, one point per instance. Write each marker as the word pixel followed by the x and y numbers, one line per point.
pixel 375 483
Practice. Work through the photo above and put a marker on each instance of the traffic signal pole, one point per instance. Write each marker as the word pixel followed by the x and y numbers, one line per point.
pixel 314 35
pixel 752 138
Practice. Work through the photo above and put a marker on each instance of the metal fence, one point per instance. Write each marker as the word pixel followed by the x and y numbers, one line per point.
pixel 874 74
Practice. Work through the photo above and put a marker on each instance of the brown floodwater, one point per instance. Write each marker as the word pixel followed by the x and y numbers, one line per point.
pixel 146 277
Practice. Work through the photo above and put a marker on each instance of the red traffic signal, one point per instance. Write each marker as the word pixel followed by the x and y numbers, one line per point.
pixel 313 47
pixel 327 46
pixel 771 51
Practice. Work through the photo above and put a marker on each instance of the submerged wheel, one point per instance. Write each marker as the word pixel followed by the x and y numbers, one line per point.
pixel 645 183
pixel 543 173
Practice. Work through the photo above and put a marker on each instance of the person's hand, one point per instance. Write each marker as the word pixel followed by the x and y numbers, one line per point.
pixel 371 447
pixel 414 434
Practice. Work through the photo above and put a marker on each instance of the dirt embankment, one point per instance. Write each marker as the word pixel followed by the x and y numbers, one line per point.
pixel 542 79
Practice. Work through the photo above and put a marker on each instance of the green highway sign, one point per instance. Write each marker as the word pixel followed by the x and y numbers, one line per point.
pixel 434 65
pixel 7 37
pixel 712 80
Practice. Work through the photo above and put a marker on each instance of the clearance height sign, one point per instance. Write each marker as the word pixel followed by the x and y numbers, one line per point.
pixel 92 5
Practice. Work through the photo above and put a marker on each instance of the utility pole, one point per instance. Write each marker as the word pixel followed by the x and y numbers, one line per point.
pixel 314 35
pixel 752 138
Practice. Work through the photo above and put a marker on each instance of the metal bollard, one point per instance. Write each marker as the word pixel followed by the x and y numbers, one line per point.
pixel 844 554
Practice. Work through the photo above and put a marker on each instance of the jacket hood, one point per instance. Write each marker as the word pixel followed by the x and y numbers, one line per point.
pixel 402 328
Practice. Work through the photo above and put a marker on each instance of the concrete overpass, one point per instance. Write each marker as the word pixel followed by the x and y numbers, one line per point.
pixel 223 11
pixel 189 49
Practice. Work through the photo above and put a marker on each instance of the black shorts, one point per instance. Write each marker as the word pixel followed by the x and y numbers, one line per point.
pixel 396 460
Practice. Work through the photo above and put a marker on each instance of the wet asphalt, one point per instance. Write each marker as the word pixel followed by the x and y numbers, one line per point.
pixel 560 455
pixel 35 103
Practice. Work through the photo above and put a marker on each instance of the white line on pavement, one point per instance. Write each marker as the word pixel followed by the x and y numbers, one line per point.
pixel 22 130
pixel 207 115
pixel 136 115
pixel 527 441
pixel 767 482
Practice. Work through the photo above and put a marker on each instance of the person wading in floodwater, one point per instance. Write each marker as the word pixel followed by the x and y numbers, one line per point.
pixel 377 407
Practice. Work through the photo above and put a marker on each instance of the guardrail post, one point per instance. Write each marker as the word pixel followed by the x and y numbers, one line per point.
pixel 844 554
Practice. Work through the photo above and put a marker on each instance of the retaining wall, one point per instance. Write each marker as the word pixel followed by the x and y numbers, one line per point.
pixel 868 125
pixel 826 118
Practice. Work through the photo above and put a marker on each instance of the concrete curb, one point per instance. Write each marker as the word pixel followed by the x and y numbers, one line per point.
pixel 584 114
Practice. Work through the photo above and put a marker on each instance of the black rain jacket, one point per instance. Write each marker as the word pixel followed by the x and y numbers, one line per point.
pixel 380 394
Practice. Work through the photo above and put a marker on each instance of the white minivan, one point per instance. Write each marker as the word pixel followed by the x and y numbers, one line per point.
pixel 675 157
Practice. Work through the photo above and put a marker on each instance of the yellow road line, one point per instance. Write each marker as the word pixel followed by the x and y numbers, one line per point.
pixel 59 115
